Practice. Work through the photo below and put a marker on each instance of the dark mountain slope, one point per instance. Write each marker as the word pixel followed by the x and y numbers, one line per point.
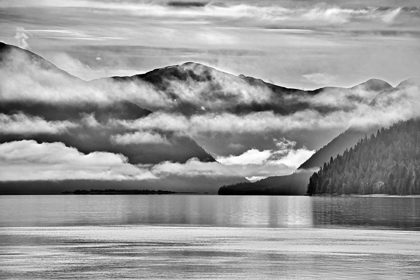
pixel 293 184
pixel 388 162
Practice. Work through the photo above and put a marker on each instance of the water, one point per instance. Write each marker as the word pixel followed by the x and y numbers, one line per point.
pixel 197 237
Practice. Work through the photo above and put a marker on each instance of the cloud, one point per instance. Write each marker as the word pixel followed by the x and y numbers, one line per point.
pixel 90 120
pixel 25 77
pixel 252 156
pixel 353 108
pixel 257 164
pixel 28 125
pixel 353 100
pixel 139 137
pixel 330 14
pixel 284 144
pixel 321 78
pixel 256 122
pixel 28 160
pixel 391 107
pixel 294 157
pixel 357 29
pixel 22 37
pixel 87 71
pixel 192 168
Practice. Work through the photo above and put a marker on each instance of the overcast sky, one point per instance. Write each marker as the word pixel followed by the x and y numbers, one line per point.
pixel 302 43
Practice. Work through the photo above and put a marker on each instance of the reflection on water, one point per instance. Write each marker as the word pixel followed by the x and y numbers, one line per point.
pixel 370 212
pixel 221 211
pixel 208 237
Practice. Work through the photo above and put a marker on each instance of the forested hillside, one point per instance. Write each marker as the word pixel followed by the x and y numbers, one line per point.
pixel 388 163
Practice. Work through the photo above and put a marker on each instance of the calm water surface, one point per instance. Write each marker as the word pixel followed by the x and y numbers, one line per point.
pixel 196 237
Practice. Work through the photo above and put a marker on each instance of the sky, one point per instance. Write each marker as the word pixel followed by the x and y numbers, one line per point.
pixel 301 44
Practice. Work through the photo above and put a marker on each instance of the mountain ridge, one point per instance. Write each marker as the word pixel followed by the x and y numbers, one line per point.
pixel 90 126
pixel 161 78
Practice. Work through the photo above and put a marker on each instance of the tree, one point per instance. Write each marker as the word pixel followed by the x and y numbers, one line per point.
pixel 392 156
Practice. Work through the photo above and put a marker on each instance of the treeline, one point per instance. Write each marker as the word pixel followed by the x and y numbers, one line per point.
pixel 386 163
pixel 113 191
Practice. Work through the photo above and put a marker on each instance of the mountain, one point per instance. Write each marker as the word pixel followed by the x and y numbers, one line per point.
pixel 387 162
pixel 295 183
pixel 43 107
pixel 80 108
pixel 350 137
pixel 373 85
pixel 193 88
pixel 147 122
pixel 15 57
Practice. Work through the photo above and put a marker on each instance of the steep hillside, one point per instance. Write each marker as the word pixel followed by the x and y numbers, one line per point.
pixel 350 137
pixel 293 184
pixel 387 162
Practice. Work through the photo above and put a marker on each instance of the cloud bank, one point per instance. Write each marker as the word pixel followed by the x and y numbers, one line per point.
pixel 140 137
pixel 28 160
pixel 22 124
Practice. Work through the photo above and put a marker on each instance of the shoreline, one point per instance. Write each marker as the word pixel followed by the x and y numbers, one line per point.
pixel 366 195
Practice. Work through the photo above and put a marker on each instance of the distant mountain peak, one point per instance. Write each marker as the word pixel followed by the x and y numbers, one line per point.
pixel 23 56
pixel 374 85
pixel 409 82
pixel 193 64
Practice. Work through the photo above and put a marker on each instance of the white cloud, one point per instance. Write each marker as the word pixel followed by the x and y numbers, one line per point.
pixel 258 122
pixel 294 157
pixel 321 78
pixel 334 15
pixel 26 78
pixel 256 165
pixel 255 178
pixel 22 37
pixel 252 156
pixel 391 107
pixel 192 168
pixel 26 125
pixel 140 137
pixel 270 13
pixel 27 160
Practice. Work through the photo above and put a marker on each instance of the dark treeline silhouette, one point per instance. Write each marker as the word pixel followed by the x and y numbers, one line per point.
pixel 293 184
pixel 386 163
pixel 113 191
